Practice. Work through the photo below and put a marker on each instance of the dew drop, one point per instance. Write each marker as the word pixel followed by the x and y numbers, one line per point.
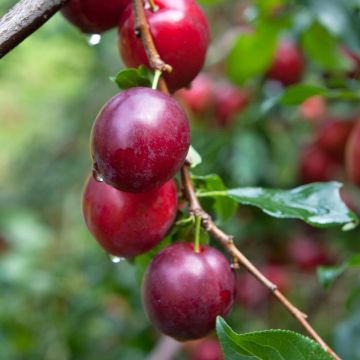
pixel 96 175
pixel 116 259
pixel 94 39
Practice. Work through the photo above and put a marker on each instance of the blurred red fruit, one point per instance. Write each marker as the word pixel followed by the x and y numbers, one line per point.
pixel 250 293
pixel 353 155
pixel 288 65
pixel 313 108
pixel 207 349
pixel 199 98
pixel 333 136
pixel 229 101
pixel 307 254
pixel 316 165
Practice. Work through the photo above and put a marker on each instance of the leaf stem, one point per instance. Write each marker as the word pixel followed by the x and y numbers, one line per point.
pixel 154 7
pixel 197 233
pixel 157 76
pixel 204 194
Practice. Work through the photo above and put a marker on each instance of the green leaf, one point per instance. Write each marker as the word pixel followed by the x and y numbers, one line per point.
pixel 322 47
pixel 253 53
pixel 210 2
pixel 224 207
pixel 267 345
pixel 269 7
pixel 317 204
pixel 328 274
pixel 193 157
pixel 128 78
pixel 296 94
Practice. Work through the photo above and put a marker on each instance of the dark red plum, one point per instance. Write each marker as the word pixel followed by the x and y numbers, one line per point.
pixel 127 224
pixel 181 36
pixel 94 16
pixel 307 254
pixel 316 165
pixel 288 65
pixel 140 139
pixel 333 136
pixel 353 155
pixel 199 98
pixel 229 102
pixel 184 291
pixel 208 349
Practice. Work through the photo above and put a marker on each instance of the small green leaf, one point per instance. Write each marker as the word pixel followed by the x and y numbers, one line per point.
pixel 296 94
pixel 193 157
pixel 128 78
pixel 267 345
pixel 252 53
pixel 322 47
pixel 317 204
pixel 328 274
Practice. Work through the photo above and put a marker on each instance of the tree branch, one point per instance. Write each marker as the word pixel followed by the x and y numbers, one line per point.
pixel 23 19
pixel 165 349
pixel 196 209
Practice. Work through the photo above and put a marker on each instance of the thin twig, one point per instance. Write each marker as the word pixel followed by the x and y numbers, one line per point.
pixel 228 244
pixel 165 349
pixel 23 19
pixel 142 29
pixel 196 209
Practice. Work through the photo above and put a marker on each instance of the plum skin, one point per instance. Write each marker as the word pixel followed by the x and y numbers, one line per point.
pixel 139 140
pixel 183 291
pixel 181 35
pixel 127 224
pixel 94 16
pixel 288 65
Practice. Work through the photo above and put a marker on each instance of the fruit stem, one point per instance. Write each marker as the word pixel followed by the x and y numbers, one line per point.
pixel 197 233
pixel 155 82
pixel 154 7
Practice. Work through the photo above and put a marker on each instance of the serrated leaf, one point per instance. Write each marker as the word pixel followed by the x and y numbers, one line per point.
pixel 267 345
pixel 322 47
pixel 317 204
pixel 131 77
pixel 296 94
pixel 193 157
pixel 328 274
pixel 252 53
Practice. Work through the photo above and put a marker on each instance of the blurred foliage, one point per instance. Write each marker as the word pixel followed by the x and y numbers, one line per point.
pixel 61 296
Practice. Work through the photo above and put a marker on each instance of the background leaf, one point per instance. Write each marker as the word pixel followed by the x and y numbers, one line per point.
pixel 296 94
pixel 328 274
pixel 253 52
pixel 322 47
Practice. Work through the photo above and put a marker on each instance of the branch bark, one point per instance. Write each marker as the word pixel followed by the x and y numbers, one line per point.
pixel 165 349
pixel 23 19
pixel 196 209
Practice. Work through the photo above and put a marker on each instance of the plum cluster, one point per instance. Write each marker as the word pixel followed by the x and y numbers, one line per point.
pixel 139 141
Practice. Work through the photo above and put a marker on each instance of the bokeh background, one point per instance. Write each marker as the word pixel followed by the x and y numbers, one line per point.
pixel 60 295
